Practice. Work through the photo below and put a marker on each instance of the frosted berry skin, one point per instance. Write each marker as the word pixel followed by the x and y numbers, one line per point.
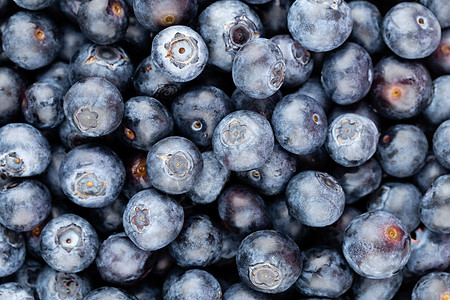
pixel 439 108
pixel 30 40
pixel 93 106
pixel 11 86
pixel 366 26
pixel 52 284
pixel 259 68
pixel 351 139
pixel 15 291
pixel 268 261
pixel 429 173
pixel 382 289
pixel 299 124
pixel 239 291
pixel 179 53
pixel 402 150
pixel 435 285
pixel 325 273
pixel 110 62
pixel 24 205
pixel 376 245
pixel 103 21
pixel 226 26
pixel 313 88
pixel 12 250
pixel 243 140
pixel 34 4
pixel 434 206
pixel 24 151
pixel 152 220
pixel 347 74
pixel 145 122
pixel 331 16
pixel 69 243
pixel 120 262
pixel 439 60
pixel 441 144
pixel 109 293
pixel 198 111
pixel 264 106
pixel 174 165
pixel 92 175
pixel 411 30
pixel 440 9
pixel 193 284
pixel 401 89
pixel 315 198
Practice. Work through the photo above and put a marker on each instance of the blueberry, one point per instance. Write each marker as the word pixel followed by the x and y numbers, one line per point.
pixel 27 274
pixel 359 108
pixel 69 243
pixel 240 291
pixel 315 198
pixel 58 74
pixel 72 40
pixel 152 220
pixel 411 30
pixel 193 284
pixel 136 175
pixel 264 106
pixel 109 293
pixel 12 250
pixel 441 144
pixel 381 289
pixel 313 88
pixel 429 173
pixel 440 9
pixel 439 60
pixel 259 68
pixel 439 108
pixel 179 53
pixel 433 285
pixel 273 16
pixel 92 175
pixel 434 206
pixel 108 219
pixel 69 8
pixel 15 291
pixel 51 175
pixel 243 140
pixel 332 23
pixel 11 86
pixel 376 245
pixel 268 261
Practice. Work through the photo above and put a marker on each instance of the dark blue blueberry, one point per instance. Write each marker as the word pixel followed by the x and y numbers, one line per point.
pixel 273 16
pixel 429 173
pixel 69 243
pixel 12 251
pixel 402 150
pixel 439 108
pixel 313 88
pixel 108 219
pixel 136 175
pixel 194 284
pixel 264 106
pixel 380 289
pixel 145 122
pixel 376 245
pixel 268 261
pixel 146 290
pixel 433 285
pixel 359 108
pixel 439 60
pixel 34 4
pixel 137 39
pixel 11 87
pixel 347 74
pixel 259 68
pixel 199 244
pixel 411 30
pixel 72 40
pixel 56 73
pixel 243 140
pixel 51 175
pixel 103 21
pixel 30 40
pixel 70 9
pixel 15 291
pixel 299 124
pixel 92 175
pixel 329 29
pixel 239 291
pixel 179 53
pixel 434 206
pixel 28 274
pixel 315 198
pixel 109 293
pixel 152 220
pixel 441 143
pixel 71 136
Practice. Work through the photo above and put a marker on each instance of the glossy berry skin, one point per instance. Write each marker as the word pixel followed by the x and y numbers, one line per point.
pixel 400 199
pixel 11 86
pixel 243 140
pixel 332 16
pixel 24 151
pixel 351 139
pixel 213 178
pixel 435 285
pixel 69 243
pixel 24 205
pixel 174 165
pixel 376 245
pixel 109 293
pixel 145 122
pixel 156 15
pixel 12 250
pixel 272 177
pixel 401 89
pixel 347 74
pixel 315 198
pixel 402 150
pixel 325 273
pixel 434 206
pixel 92 175
pixel 239 291
pixel 94 106
pixel 264 107
pixel 15 291
pixel 136 175
pixel 259 68
pixel 382 289
pixel 103 21
pixel 366 26
pixel 441 144
pixel 439 108
pixel 429 173
pixel 179 53
pixel 193 284
pixel 242 210
pixel 268 261
pixel 120 262
pixel 110 62
pixel 198 111
pixel 299 124
pixel 152 220
pixel 226 26
pixel 30 40
pixel 52 284
pixel 411 30
pixel 199 244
